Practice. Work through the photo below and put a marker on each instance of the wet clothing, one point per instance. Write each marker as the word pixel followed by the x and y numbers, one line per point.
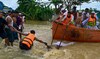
pixel 27 42
pixel 11 23
pixel 8 30
pixel 9 34
pixel 3 35
pixel 2 28
pixel 24 46
pixel 15 33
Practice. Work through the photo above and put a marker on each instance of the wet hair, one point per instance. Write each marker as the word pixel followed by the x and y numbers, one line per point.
pixel 32 31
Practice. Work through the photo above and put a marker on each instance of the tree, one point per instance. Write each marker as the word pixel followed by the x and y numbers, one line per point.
pixel 34 10
pixel 42 11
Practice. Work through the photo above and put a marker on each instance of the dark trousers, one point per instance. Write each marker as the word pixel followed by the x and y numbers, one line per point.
pixel 23 46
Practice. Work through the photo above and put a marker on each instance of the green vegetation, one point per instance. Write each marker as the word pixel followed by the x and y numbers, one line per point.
pixel 34 11
pixel 42 11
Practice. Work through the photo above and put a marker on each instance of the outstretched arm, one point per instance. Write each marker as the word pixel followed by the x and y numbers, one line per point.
pixel 42 42
pixel 21 33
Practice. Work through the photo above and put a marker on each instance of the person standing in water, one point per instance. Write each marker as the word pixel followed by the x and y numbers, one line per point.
pixel 9 30
pixel 3 33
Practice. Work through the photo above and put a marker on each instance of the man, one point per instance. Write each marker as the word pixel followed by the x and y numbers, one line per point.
pixel 15 26
pixel 27 42
pixel 62 15
pixel 85 17
pixel 3 34
pixel 9 30
pixel 74 12
pixel 69 19
pixel 91 23
pixel 19 24
pixel 78 22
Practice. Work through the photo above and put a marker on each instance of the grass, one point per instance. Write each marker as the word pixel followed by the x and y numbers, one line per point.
pixel 37 22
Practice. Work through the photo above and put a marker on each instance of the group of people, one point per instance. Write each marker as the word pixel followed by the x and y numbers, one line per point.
pixel 84 19
pixel 9 23
pixel 11 27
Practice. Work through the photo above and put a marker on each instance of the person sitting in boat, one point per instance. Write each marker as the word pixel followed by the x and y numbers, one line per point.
pixel 75 13
pixel 69 19
pixel 78 22
pixel 91 24
pixel 27 42
pixel 85 15
pixel 62 15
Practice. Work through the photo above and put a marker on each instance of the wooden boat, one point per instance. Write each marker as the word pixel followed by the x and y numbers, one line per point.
pixel 74 34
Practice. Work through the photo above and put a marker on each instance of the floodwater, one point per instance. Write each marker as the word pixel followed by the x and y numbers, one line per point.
pixel 39 51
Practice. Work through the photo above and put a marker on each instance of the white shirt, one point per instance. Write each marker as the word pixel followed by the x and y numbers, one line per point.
pixel 11 20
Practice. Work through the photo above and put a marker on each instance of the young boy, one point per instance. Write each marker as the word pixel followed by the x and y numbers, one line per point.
pixel 27 42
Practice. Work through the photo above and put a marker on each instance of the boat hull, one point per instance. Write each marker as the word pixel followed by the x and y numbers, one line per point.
pixel 74 34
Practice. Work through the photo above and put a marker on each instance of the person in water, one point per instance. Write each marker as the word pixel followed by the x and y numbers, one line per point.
pixel 27 42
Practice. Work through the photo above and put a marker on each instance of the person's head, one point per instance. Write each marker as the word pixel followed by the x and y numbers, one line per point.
pixel 69 14
pixel 80 13
pixel 74 9
pixel 86 10
pixel 11 13
pixel 93 14
pixel 16 13
pixel 63 11
pixel 32 31
pixel 1 14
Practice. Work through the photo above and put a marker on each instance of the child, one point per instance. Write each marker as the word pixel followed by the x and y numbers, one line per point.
pixel 27 42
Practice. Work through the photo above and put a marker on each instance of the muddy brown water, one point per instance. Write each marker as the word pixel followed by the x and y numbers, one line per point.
pixel 39 51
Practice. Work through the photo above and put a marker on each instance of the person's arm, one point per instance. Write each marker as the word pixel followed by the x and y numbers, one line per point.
pixel 97 18
pixel 72 20
pixel 25 34
pixel 85 21
pixel 42 42
pixel 63 18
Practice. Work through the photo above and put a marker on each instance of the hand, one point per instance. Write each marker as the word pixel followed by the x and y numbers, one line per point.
pixel 45 43
pixel 48 47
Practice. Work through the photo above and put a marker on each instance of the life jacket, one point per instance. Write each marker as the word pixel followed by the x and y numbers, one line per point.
pixel 67 20
pixel 28 40
pixel 92 21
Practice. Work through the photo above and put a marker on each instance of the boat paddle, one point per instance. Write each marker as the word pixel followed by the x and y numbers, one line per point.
pixel 58 46
pixel 59 22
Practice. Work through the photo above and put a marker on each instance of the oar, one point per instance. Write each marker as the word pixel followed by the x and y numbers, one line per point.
pixel 55 31
pixel 63 35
